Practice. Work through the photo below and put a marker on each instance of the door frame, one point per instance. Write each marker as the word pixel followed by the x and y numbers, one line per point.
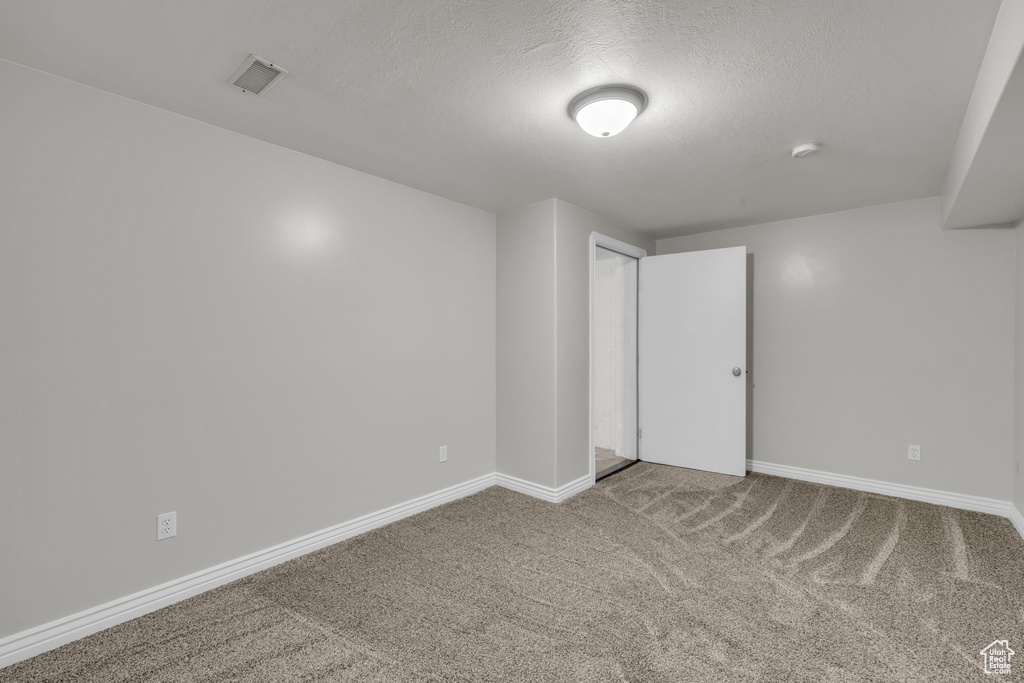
pixel 626 249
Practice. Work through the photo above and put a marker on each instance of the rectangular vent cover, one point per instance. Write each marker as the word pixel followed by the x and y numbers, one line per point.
pixel 257 75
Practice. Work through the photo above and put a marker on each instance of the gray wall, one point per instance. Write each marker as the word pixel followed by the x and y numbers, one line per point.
pixel 197 321
pixel 1018 479
pixel 874 329
pixel 544 339
pixel 526 343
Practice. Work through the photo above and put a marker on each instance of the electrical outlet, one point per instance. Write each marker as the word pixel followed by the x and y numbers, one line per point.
pixel 166 525
pixel 444 454
pixel 913 452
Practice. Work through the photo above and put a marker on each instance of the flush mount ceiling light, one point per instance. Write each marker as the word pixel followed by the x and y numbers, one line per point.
pixel 607 110
pixel 808 149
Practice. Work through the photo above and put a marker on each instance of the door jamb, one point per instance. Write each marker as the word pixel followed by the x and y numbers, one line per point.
pixel 626 249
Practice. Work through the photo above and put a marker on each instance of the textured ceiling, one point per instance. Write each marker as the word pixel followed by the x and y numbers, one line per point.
pixel 467 98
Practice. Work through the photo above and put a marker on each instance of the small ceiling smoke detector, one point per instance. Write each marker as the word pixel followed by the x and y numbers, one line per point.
pixel 808 149
pixel 257 75
pixel 607 110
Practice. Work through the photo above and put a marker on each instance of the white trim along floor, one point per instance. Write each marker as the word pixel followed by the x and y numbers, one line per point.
pixel 29 643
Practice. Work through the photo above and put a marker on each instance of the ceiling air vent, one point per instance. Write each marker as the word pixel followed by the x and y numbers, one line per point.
pixel 257 75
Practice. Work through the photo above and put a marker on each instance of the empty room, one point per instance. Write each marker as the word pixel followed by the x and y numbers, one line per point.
pixel 480 341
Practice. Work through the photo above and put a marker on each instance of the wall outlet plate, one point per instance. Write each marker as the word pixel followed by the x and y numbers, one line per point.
pixel 444 453
pixel 913 452
pixel 166 526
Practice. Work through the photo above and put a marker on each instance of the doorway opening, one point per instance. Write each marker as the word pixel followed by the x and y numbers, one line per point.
pixel 614 360
pixel 668 346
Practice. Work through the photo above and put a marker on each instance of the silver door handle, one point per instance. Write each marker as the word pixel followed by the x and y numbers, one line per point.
pixel 737 372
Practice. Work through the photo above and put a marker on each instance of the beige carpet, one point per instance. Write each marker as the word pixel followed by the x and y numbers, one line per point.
pixel 656 574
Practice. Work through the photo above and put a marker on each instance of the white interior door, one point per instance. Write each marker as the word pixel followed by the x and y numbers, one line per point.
pixel 693 341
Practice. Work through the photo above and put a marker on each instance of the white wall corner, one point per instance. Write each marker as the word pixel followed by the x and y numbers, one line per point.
pixel 547 493
pixel 1017 519
pixel 34 641
pixel 962 501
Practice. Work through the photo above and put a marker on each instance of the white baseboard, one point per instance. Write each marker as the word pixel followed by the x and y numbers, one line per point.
pixel 551 495
pixel 1017 519
pixel 963 501
pixel 19 646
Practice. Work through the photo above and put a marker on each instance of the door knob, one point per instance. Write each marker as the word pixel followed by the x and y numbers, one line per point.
pixel 737 372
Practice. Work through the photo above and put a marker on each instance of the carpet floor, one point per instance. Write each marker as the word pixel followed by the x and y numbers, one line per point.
pixel 656 574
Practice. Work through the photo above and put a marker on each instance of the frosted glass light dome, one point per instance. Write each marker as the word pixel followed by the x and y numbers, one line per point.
pixel 607 110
